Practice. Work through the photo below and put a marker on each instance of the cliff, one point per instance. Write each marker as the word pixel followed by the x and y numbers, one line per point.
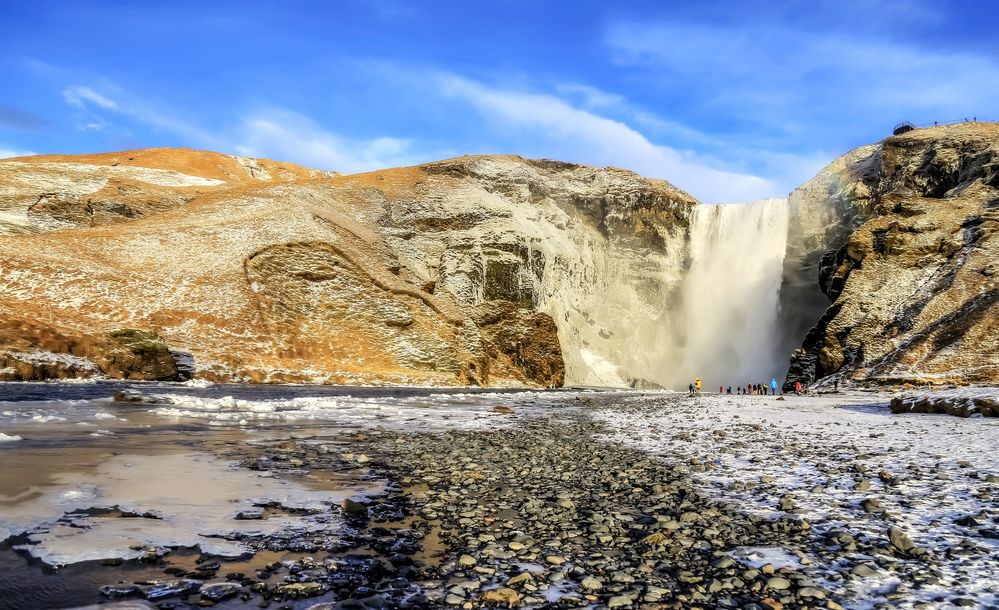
pixel 478 270
pixel 904 245
pixel 498 270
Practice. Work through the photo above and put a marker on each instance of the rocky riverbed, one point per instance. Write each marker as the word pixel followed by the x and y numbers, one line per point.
pixel 607 500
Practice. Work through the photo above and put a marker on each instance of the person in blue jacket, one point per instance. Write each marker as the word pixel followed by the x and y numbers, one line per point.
pixel 773 386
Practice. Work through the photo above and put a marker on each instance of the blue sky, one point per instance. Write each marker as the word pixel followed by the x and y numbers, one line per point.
pixel 729 100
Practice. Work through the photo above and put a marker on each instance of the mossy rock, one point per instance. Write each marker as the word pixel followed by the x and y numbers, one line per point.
pixel 140 355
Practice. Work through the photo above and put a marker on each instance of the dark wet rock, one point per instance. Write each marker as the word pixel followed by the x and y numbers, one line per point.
pixel 154 591
pixel 353 508
pixel 120 591
pixel 220 591
pixel 133 396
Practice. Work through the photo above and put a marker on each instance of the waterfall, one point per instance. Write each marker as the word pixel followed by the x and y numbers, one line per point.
pixel 725 330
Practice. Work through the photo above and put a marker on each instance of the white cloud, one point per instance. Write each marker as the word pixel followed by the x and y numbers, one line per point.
pixel 275 133
pixel 793 79
pixel 590 138
pixel 289 136
pixel 589 96
pixel 7 153
pixel 77 96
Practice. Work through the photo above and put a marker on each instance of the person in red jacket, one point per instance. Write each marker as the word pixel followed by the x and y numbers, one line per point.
pixel 797 388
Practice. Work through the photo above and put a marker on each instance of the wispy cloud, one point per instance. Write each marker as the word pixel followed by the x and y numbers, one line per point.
pixel 574 121
pixel 793 79
pixel 585 136
pixel 286 135
pixel 271 132
pixel 7 153
pixel 78 96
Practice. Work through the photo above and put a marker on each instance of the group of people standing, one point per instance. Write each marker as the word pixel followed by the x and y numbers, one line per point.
pixel 760 389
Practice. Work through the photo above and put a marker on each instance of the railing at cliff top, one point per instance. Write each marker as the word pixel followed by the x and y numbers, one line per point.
pixel 953 122
pixel 906 126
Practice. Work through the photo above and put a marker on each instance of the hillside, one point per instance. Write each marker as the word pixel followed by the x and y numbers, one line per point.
pixel 244 269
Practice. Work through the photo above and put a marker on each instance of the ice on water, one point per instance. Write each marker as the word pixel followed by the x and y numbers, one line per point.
pixel 195 497
pixel 427 413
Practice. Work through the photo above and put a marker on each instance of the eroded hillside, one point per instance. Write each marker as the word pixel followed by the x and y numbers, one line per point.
pixel 245 269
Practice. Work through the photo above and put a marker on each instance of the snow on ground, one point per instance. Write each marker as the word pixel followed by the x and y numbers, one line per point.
pixel 43 357
pixel 831 453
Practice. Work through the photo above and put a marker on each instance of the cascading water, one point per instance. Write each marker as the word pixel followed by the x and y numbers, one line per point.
pixel 704 304
pixel 725 328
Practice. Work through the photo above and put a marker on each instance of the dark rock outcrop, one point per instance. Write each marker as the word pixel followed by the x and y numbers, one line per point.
pixel 31 351
pixel 913 289
pixel 137 355
pixel 523 341
pixel 947 404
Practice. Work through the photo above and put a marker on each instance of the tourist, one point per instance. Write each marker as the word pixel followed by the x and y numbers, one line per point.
pixel 797 388
pixel 697 384
pixel 691 388
pixel 728 390
pixel 721 389
pixel 773 386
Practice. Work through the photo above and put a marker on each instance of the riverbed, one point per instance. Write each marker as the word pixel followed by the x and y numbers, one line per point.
pixel 292 496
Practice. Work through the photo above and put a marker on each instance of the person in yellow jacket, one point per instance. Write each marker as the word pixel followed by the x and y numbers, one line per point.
pixel 697 384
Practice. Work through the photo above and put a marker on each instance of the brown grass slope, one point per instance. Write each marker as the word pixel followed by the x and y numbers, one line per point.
pixel 261 271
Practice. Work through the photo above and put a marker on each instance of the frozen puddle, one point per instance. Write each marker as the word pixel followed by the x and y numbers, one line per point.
pixel 178 500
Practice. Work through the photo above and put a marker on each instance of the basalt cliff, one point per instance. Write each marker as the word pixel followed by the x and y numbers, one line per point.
pixel 498 270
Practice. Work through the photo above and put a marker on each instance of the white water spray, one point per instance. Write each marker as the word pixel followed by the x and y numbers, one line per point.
pixel 726 327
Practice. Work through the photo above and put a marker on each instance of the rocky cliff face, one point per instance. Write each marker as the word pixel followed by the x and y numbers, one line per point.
pixel 498 270
pixel 481 270
pixel 912 267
